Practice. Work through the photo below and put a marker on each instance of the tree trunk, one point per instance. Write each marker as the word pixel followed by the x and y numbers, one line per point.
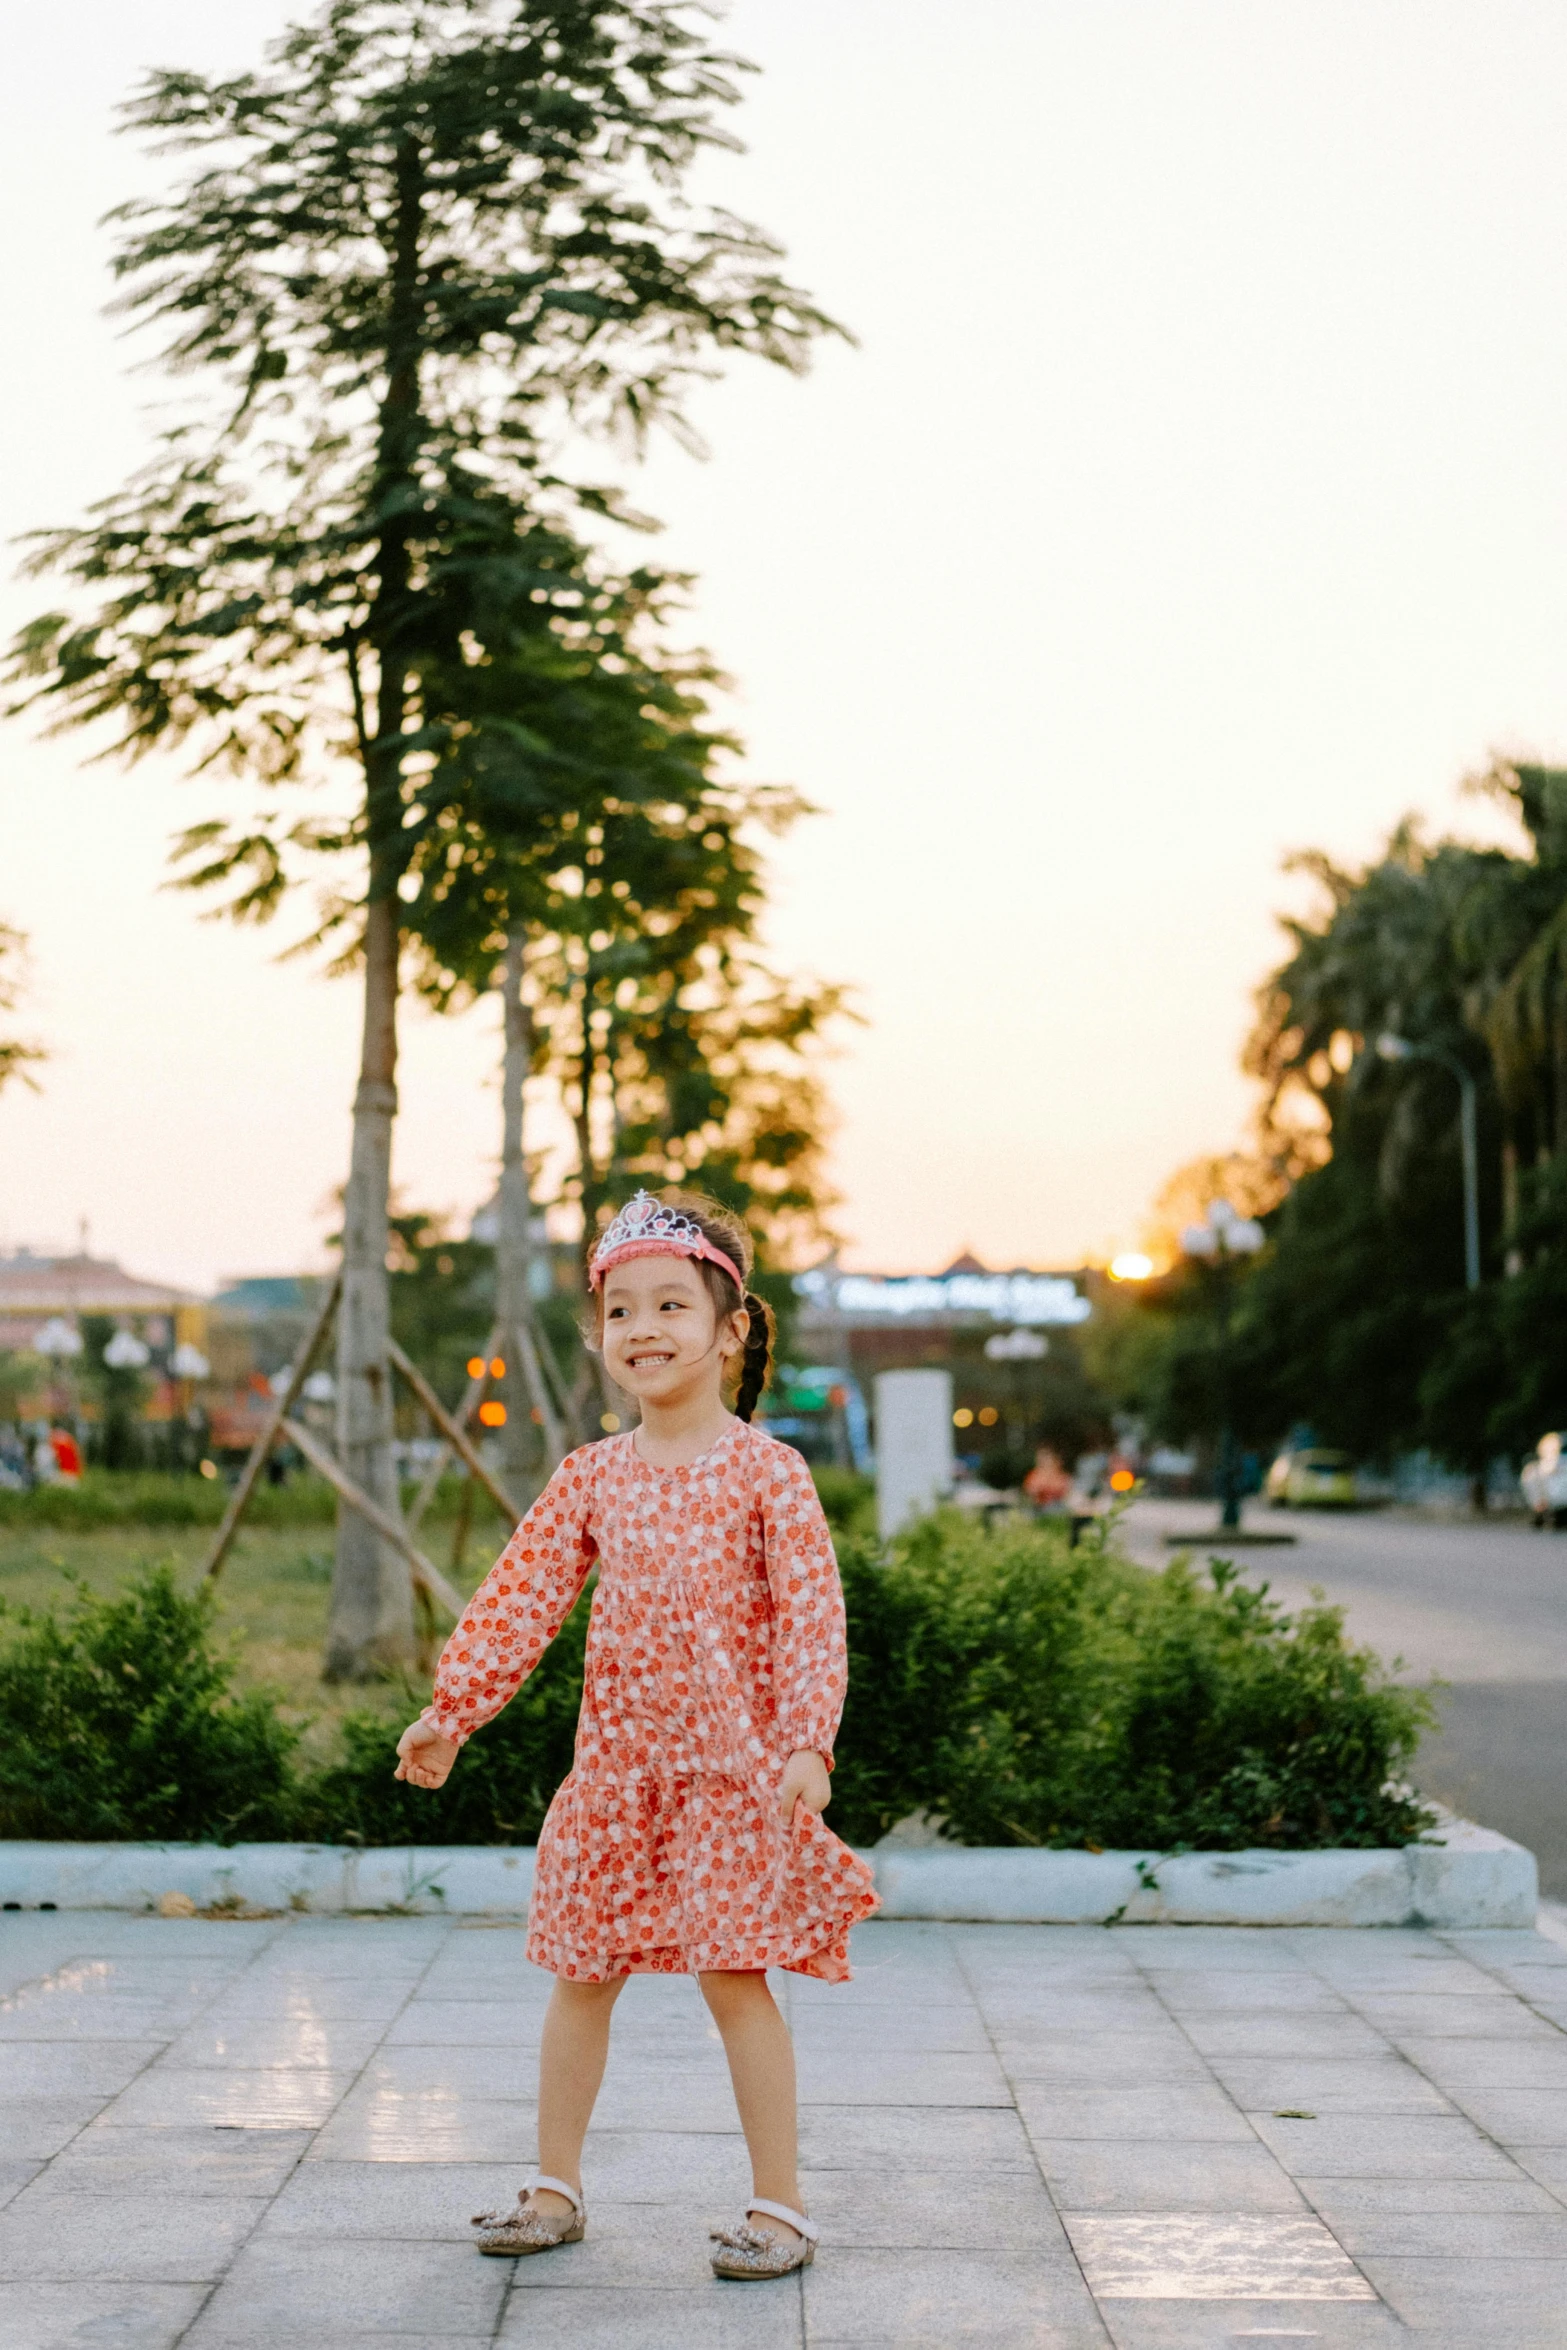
pixel 371 1626
pixel 521 1447
pixel 370 1629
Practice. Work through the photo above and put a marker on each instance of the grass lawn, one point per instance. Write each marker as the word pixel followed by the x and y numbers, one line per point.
pixel 272 1593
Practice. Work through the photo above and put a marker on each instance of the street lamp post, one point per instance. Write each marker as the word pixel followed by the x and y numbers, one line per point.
pixel 1400 1048
pixel 1222 1238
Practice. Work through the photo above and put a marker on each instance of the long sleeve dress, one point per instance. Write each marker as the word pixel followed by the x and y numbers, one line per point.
pixel 715 1650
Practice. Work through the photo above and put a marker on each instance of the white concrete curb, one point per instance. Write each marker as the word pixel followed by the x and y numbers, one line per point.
pixel 1474 1878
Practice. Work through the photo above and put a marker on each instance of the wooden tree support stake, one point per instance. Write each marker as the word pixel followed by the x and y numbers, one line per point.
pixel 465 1411
pixel 454 1434
pixel 554 1433
pixel 298 1373
pixel 389 1528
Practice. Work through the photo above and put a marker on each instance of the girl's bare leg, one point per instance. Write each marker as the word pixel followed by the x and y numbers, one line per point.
pixel 572 2054
pixel 761 2066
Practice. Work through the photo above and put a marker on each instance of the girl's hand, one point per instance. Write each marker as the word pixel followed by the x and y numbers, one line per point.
pixel 806 1780
pixel 424 1757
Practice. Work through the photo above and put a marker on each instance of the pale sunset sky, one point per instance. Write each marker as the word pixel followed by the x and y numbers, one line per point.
pixel 1198 490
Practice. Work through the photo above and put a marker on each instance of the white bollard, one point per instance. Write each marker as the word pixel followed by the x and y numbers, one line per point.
pixel 914 1465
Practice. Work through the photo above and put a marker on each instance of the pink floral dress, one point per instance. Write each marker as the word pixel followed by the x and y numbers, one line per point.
pixel 715 1650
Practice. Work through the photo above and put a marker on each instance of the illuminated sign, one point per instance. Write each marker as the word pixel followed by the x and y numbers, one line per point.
pixel 1005 1297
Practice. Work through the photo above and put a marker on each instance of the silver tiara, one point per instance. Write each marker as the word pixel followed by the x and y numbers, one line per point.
pixel 647 1222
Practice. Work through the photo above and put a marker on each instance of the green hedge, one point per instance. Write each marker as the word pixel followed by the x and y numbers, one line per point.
pixel 153 1497
pixel 1028 1692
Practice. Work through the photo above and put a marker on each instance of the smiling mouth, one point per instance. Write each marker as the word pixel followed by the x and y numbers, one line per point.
pixel 649 1362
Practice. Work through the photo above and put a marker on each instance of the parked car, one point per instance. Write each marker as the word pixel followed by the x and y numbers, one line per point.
pixel 1312 1480
pixel 1544 1481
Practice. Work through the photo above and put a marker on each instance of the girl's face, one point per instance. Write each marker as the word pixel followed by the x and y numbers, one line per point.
pixel 664 1342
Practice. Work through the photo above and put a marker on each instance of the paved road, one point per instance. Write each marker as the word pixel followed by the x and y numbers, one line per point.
pixel 269 2136
pixel 1482 1606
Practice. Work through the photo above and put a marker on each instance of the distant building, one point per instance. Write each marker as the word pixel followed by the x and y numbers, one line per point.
pixel 35 1290
pixel 987 1328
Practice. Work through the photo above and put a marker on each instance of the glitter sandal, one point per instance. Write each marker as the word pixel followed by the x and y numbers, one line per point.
pixel 512 2234
pixel 754 2252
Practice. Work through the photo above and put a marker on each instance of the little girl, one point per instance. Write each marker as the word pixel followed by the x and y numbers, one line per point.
pixel 688 1837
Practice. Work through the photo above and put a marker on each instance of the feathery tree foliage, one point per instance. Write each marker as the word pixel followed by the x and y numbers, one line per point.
pixel 425 247
pixel 16 1055
pixel 1356 1319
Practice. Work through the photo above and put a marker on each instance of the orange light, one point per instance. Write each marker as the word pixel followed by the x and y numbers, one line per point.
pixel 1131 1265
pixel 963 1417
pixel 610 1423
pixel 1121 1481
pixel 476 1366
pixel 989 1416
pixel 492 1415
pixel 497 1367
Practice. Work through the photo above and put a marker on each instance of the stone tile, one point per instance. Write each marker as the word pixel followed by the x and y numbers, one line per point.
pixel 1109 2174
pixel 1217 2325
pixel 1201 2256
pixel 704 2170
pixel 284 2285
pixel 1014 2013
pixel 1547 2165
pixel 1364 1972
pixel 1518 2117
pixel 1127 2061
pixel 1407 2015
pixel 185 2097
pixel 1378 2084
pixel 39 2316
pixel 657 2248
pixel 108 2159
pixel 289 2043
pixel 1188 2110
pixel 1348 2201
pixel 1263 2033
pixel 1208 1991
pixel 705 2316
pixel 978 2139
pixel 122 2016
pixel 1199 1949
pixel 432 2128
pixel 881 2077
pixel 331 1998
pixel 14 2177
pixel 71 2068
pixel 935 2210
pixel 463 2023
pixel 893 2029
pixel 456 2072
pixel 405 2201
pixel 154 2239
pixel 1495 2298
pixel 1490 2064
pixel 35 2128
pixel 1406 2146
pixel 1455 2236
pixel 933 2300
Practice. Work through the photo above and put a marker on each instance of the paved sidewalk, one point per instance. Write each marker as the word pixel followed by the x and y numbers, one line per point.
pixel 1156 2137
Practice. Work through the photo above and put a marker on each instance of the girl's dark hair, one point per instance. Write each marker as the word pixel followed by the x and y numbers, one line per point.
pixel 725 1230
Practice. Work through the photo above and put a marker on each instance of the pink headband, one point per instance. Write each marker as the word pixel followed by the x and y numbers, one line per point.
pixel 646 1227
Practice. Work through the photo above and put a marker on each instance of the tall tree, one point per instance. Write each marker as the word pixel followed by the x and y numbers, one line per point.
pixel 432 240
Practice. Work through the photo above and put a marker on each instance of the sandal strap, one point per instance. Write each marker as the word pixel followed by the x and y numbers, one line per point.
pixel 793 2219
pixel 556 2187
